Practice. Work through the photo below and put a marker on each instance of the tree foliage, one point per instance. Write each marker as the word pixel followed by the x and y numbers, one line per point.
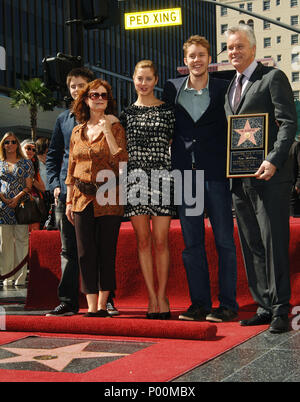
pixel 35 95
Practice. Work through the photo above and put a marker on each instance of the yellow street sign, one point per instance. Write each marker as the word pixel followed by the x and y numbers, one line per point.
pixel 153 19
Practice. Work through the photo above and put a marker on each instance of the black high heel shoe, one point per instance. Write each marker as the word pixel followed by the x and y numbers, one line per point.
pixel 152 316
pixel 164 316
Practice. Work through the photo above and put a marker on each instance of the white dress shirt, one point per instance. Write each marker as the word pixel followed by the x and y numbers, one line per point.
pixel 247 74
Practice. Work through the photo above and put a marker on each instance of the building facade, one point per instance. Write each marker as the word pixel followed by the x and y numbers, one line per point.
pixel 273 42
pixel 31 30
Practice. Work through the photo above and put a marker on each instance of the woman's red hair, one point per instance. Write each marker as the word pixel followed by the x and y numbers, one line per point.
pixel 81 109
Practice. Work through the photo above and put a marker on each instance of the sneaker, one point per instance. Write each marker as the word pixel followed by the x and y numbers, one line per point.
pixel 111 309
pixel 194 313
pixel 222 314
pixel 61 311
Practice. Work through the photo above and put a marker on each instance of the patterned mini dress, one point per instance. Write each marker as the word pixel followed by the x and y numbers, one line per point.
pixel 149 185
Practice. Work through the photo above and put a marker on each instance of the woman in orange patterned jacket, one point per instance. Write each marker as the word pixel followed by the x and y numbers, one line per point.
pixel 97 144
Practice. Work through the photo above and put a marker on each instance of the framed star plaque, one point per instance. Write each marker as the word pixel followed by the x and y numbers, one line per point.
pixel 247 143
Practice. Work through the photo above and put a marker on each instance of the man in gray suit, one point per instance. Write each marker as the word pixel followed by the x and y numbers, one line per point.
pixel 262 202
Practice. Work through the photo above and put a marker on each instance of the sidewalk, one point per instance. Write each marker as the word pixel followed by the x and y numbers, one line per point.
pixel 264 358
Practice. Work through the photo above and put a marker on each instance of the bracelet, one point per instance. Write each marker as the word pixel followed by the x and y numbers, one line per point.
pixel 69 202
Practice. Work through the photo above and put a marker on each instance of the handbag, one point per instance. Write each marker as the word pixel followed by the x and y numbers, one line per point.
pixel 42 206
pixel 27 211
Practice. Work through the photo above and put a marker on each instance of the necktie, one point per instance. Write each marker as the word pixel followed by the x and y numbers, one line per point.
pixel 238 93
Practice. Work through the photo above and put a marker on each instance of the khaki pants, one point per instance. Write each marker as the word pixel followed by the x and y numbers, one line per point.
pixel 14 244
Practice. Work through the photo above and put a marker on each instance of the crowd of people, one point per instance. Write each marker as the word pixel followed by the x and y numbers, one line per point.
pixel 185 131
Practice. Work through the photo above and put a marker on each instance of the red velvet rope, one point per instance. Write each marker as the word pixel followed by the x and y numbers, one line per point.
pixel 14 271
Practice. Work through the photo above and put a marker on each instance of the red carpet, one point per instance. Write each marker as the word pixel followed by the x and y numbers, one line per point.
pixel 176 347
pixel 163 360
pixel 117 326
pixel 131 291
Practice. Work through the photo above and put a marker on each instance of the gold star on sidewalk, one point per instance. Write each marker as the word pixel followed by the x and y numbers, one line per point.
pixel 57 358
pixel 247 133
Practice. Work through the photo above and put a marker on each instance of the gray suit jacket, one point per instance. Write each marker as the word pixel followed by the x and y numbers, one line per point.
pixel 269 91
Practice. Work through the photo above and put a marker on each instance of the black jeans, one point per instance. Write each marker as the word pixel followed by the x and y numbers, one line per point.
pixel 68 289
pixel 97 243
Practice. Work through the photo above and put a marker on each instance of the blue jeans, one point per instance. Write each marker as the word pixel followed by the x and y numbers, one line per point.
pixel 218 204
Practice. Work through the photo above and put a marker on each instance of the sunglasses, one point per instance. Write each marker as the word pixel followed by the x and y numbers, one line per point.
pixel 7 142
pixel 96 95
pixel 30 149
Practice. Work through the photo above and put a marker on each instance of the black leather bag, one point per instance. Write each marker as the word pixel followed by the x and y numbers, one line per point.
pixel 42 206
pixel 27 211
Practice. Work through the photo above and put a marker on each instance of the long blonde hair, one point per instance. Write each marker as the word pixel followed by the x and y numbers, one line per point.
pixel 2 150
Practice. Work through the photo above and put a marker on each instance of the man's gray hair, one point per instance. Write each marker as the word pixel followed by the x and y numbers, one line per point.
pixel 242 28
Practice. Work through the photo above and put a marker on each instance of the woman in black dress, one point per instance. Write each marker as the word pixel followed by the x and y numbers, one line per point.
pixel 149 125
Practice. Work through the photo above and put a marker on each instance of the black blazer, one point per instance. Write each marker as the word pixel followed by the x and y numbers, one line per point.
pixel 206 139
pixel 269 91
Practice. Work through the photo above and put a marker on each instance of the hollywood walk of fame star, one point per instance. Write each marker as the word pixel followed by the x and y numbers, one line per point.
pixel 57 358
pixel 247 133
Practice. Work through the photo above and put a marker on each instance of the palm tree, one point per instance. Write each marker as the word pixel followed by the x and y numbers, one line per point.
pixel 35 95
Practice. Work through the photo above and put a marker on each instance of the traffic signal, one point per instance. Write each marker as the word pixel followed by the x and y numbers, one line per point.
pixel 100 14
pixel 56 70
